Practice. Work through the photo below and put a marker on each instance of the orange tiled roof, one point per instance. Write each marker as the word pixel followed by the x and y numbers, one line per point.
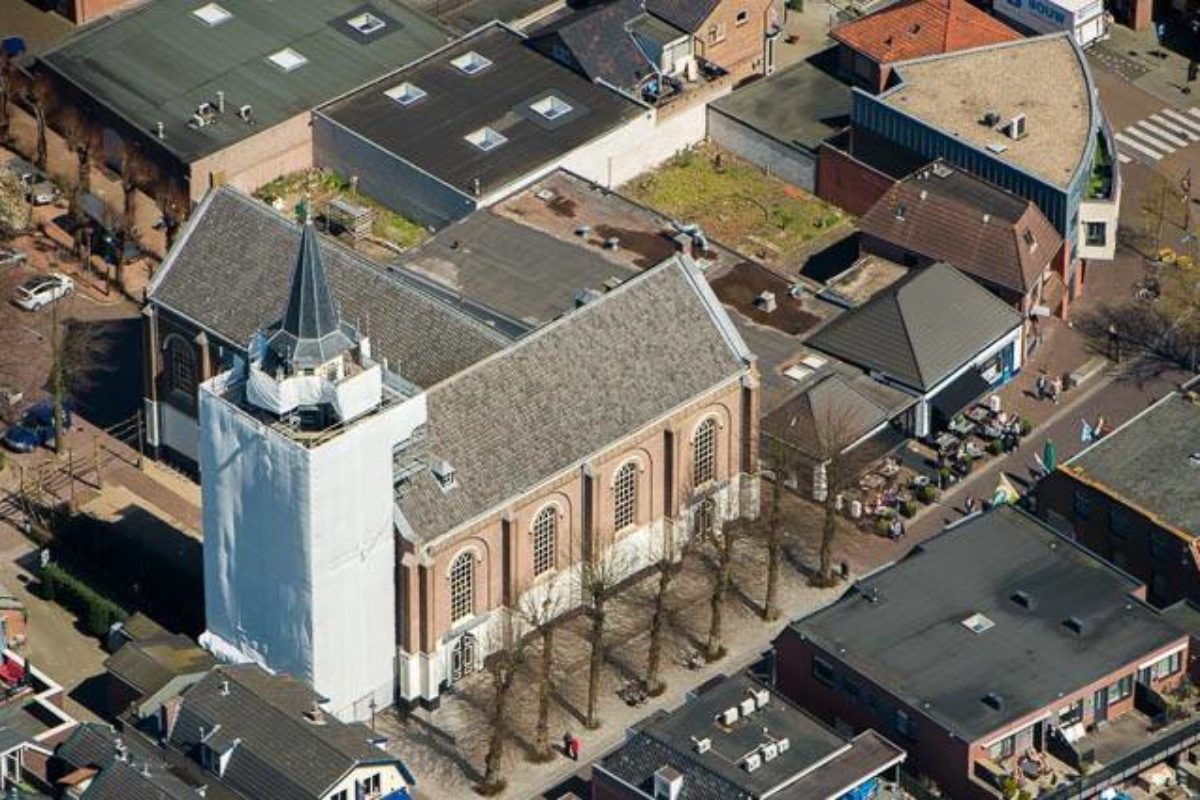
pixel 916 28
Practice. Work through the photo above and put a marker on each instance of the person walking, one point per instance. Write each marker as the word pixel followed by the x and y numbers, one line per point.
pixel 1040 386
pixel 576 746
pixel 568 741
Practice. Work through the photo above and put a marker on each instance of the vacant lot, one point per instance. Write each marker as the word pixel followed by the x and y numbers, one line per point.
pixel 737 203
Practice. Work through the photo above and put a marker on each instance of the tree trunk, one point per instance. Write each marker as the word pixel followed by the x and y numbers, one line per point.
pixel 596 641
pixel 654 685
pixel 714 649
pixel 58 383
pixel 774 548
pixel 493 778
pixel 39 159
pixel 542 733
pixel 84 175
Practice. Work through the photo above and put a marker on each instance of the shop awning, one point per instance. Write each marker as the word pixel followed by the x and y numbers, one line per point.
pixel 964 390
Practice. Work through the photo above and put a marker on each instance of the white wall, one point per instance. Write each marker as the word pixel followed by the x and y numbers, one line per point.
pixel 178 431
pixel 299 552
pixel 1108 212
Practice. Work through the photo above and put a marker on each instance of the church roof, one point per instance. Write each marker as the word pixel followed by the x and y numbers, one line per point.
pixel 570 391
pixel 311 331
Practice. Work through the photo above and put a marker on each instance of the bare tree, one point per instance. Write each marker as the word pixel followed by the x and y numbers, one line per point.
pixel 601 578
pixel 540 610
pixel 41 99
pixel 503 667
pixel 669 557
pixel 83 137
pixel 722 542
pixel 134 169
pixel 7 90
pixel 14 205
pixel 172 204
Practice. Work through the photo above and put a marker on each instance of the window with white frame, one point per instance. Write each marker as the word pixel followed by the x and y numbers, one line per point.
pixel 1166 666
pixel 462 587
pixel 552 107
pixel 625 496
pixel 366 23
pixel 406 93
pixel 704 453
pixel 486 139
pixel 545 533
pixel 287 59
pixel 181 366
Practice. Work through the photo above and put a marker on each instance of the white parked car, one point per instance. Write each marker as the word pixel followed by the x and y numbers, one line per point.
pixel 42 290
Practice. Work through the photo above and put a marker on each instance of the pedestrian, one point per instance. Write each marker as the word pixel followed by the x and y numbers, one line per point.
pixel 972 505
pixel 1040 386
pixel 895 529
pixel 1055 389
pixel 576 746
pixel 568 744
pixel 1114 343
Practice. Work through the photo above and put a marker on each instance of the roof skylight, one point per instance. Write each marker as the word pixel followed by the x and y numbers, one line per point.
pixel 406 93
pixel 486 139
pixel 471 63
pixel 977 623
pixel 287 59
pixel 211 14
pixel 552 107
pixel 366 23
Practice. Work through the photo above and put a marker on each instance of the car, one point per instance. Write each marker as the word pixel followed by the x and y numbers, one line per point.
pixel 36 428
pixel 43 193
pixel 42 290
pixel 11 258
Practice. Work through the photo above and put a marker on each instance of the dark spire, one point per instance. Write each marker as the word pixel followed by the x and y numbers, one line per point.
pixel 311 332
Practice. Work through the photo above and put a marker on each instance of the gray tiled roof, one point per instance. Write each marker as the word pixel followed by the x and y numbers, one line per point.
pixel 149 664
pixel 686 15
pixel 231 271
pixel 570 390
pixel 922 328
pixel 94 745
pixel 600 44
pixel 1148 461
pixel 280 753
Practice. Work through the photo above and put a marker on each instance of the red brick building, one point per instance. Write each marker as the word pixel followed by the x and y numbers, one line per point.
pixel 912 29
pixel 997 650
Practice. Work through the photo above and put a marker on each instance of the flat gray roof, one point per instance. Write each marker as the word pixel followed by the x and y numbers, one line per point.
pixel 904 630
pixel 1152 462
pixel 799 105
pixel 1044 78
pixel 159 61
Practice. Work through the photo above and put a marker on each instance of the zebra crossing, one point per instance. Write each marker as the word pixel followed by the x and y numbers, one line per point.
pixel 1159 135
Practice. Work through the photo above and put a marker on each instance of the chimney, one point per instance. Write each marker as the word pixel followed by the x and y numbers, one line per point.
pixel 220 102
pixel 668 784
pixel 315 715
pixel 224 688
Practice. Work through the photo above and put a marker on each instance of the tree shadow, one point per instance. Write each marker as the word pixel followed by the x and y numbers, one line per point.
pixel 431 736
pixel 92 694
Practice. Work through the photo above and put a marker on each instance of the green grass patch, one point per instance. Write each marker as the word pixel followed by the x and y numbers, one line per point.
pixel 737 203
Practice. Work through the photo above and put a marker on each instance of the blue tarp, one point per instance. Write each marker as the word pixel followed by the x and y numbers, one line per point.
pixel 864 791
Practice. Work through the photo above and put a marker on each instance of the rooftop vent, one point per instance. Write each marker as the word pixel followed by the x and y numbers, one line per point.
pixel 761 697
pixel 486 139
pixel 315 715
pixel 1074 625
pixel 1194 458
pixel 993 701
pixel 991 119
pixel 246 113
pixel 728 716
pixel 1017 127
pixel 224 688
pixel 366 23
pixel 287 59
pixel 941 170
pixel 443 473
pixel 668 784
pixel 1022 598
pixel 997 148
pixel 765 301
pixel 770 751
pixel 211 14
pixel 471 63
pixel 552 107
pixel 977 623
pixel 900 211
pixel 924 195
pixel 747 707
pixel 406 93
pixel 612 243
pixel 752 762
pixel 702 745
pixel 783 744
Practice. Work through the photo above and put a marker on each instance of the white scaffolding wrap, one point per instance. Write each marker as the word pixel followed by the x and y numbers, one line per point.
pixel 299 553
pixel 349 397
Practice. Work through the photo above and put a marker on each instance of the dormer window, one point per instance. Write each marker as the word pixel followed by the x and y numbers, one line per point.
pixel 366 23
pixel 211 15
pixel 406 93
pixel 443 473
pixel 287 59
pixel 471 63
pixel 1030 240
pixel 552 107
pixel 486 139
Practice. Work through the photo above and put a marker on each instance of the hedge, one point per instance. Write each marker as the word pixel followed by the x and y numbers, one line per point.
pixel 97 613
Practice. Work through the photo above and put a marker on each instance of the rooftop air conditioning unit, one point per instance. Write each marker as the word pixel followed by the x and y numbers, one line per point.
pixel 747 706
pixel 770 751
pixel 198 121
pixel 761 697
pixel 729 715
pixel 246 113
pixel 1017 127
pixel 991 119
pixel 703 745
pixel 752 762
pixel 783 744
